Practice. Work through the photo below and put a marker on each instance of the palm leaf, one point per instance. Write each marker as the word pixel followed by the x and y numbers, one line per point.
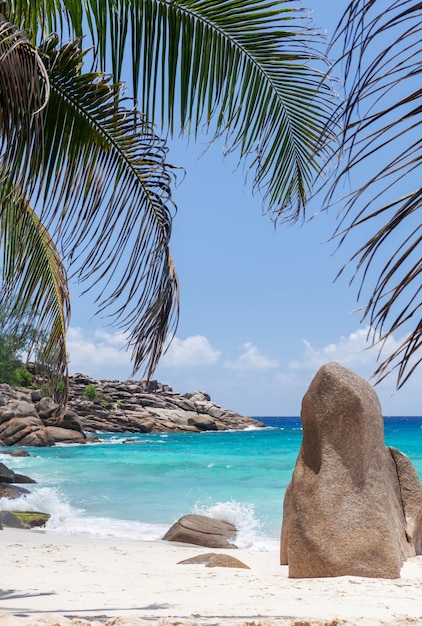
pixel 381 116
pixel 244 66
pixel 34 283
pixel 20 99
pixel 104 194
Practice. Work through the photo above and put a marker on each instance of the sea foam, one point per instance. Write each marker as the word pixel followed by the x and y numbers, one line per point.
pixel 249 530
pixel 65 518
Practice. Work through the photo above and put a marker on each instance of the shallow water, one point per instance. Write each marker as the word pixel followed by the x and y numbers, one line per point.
pixel 138 489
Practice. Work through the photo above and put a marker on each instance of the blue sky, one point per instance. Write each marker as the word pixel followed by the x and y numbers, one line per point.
pixel 261 310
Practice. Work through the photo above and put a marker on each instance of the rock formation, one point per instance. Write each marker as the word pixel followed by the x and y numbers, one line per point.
pixel 136 406
pixel 23 519
pixel 353 505
pixel 201 530
pixel 17 519
pixel 29 419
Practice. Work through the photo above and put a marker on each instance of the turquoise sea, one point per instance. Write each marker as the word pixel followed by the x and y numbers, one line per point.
pixel 136 489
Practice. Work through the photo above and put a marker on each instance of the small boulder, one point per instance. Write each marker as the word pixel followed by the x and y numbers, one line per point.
pixel 23 519
pixel 22 453
pixel 10 520
pixel 201 530
pixel 36 395
pixel 47 409
pixel 6 474
pixel 202 422
pixel 31 519
pixel 23 479
pixel 214 559
pixel 12 491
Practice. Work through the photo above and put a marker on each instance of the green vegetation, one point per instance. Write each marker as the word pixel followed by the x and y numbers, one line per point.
pixel 13 343
pixel 32 519
pixel 91 392
pixel 23 377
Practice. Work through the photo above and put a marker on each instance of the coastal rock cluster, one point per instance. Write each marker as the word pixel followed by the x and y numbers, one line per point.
pixel 138 406
pixel 10 488
pixel 354 505
pixel 27 418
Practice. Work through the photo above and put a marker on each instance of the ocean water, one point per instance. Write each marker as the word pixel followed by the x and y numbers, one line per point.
pixel 137 486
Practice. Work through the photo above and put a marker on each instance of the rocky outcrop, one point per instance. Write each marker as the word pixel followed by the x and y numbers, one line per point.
pixel 201 530
pixel 139 407
pixel 352 507
pixel 27 418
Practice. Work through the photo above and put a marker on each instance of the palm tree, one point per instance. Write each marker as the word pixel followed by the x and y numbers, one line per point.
pixel 85 175
pixel 381 116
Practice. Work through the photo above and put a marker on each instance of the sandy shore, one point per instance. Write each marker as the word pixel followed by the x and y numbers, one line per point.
pixel 49 579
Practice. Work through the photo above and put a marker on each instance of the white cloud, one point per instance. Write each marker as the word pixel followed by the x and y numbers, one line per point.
pixel 354 351
pixel 193 351
pixel 251 359
pixel 357 353
pixel 101 356
pixel 117 339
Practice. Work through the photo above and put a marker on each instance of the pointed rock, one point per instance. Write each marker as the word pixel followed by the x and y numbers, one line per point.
pixel 343 512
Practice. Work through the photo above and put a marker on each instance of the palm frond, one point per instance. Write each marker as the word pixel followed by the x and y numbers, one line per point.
pixel 42 18
pixel 243 68
pixel 104 194
pixel 382 146
pixel 34 282
pixel 21 97
pixel 252 70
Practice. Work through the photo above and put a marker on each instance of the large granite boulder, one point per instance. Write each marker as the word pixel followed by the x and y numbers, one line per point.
pixel 201 530
pixel 20 425
pixel 349 510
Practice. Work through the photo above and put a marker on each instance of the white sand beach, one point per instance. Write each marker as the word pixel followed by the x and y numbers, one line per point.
pixel 49 579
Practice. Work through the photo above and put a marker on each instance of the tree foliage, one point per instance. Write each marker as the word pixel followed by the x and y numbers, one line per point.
pixel 14 340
